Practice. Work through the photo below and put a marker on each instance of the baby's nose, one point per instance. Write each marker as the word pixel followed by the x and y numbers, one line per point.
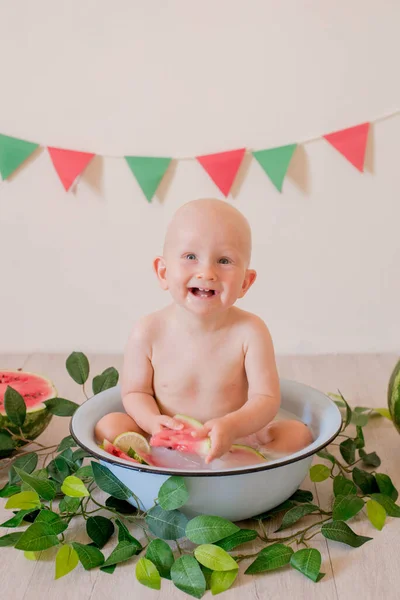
pixel 207 274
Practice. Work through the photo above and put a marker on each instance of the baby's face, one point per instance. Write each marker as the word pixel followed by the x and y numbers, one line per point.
pixel 205 264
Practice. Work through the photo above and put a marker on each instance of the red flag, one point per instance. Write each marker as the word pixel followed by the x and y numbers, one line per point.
pixel 223 167
pixel 69 164
pixel 352 143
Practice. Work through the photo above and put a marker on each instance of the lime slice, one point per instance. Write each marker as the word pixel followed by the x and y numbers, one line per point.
pixel 131 439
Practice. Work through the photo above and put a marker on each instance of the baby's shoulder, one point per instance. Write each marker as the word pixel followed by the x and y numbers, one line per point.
pixel 250 326
pixel 147 326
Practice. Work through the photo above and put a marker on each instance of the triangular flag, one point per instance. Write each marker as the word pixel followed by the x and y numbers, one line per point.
pixel 275 162
pixel 13 152
pixel 148 170
pixel 223 167
pixel 69 164
pixel 352 143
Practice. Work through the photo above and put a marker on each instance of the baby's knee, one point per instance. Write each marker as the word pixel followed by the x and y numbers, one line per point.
pixel 286 436
pixel 112 424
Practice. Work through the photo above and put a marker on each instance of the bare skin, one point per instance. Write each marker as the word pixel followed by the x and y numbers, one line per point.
pixel 202 356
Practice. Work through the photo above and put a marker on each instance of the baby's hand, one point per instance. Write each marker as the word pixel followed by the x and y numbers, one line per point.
pixel 161 422
pixel 221 436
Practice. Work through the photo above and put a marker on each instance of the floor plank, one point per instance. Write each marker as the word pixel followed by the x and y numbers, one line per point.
pixel 370 571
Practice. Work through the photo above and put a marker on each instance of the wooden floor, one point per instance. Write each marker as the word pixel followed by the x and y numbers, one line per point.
pixel 370 572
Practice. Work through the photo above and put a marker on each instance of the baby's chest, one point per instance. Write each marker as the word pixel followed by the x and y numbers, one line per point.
pixel 197 369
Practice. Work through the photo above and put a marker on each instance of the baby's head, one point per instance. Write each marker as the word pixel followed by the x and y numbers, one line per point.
pixel 208 247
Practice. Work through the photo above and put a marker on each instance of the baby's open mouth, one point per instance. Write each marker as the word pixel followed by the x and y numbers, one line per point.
pixel 202 292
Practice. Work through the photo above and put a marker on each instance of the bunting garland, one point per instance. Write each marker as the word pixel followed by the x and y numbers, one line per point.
pixel 222 167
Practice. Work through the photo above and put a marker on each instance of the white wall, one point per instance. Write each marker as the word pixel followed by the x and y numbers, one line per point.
pixel 183 78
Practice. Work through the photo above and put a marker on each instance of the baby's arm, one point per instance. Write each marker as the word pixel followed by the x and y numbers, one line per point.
pixel 137 382
pixel 263 398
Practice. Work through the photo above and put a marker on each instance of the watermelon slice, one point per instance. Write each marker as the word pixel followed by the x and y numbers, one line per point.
pixel 35 390
pixel 182 439
pixel 111 449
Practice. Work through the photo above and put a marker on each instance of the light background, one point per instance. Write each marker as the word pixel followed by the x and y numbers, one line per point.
pixel 180 78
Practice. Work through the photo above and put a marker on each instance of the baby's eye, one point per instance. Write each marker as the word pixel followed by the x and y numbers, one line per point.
pixel 189 255
pixel 227 261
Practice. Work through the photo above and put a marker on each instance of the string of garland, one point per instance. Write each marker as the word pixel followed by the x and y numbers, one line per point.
pixel 222 167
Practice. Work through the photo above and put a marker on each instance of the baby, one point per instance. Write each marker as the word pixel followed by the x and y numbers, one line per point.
pixel 201 356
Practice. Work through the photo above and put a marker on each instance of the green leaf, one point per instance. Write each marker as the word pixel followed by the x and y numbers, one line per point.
pixel 44 487
pixel 80 453
pixel 38 536
pixel 8 490
pixel 15 406
pixel 383 412
pixel 359 441
pixel 53 519
pixel 58 469
pixel 319 473
pixel 123 551
pixel 173 493
pixel 17 519
pixel 125 536
pixel 73 486
pixel 376 514
pixel 392 509
pixel 270 558
pixel 7 444
pixel 371 459
pixel 269 514
pixel 26 462
pixel 108 379
pixel 365 481
pixel 61 407
pixel 298 512
pixel 90 556
pixel 78 367
pixel 341 532
pixel 348 450
pixel 110 569
pixel 66 560
pixel 188 577
pixel 109 483
pixel 147 574
pixel 303 495
pixel 359 419
pixel 307 561
pixel 85 471
pixel 221 581
pixel 207 575
pixel 236 539
pixel 10 539
pixel 386 486
pixel 161 556
pixel 214 558
pixel 346 507
pixel 208 529
pixel 166 524
pixel 24 500
pixel 343 486
pixel 67 442
pixel 68 504
pixel 67 456
pixel 99 529
pixel 349 412
pixel 327 456
pixel 121 506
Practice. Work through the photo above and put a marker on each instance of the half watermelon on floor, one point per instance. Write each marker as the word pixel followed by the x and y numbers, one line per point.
pixel 35 390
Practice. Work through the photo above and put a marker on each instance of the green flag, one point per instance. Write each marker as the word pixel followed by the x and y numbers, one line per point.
pixel 149 171
pixel 13 153
pixel 275 162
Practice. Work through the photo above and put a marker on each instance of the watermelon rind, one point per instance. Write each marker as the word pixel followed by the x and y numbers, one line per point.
pixel 37 418
pixel 394 396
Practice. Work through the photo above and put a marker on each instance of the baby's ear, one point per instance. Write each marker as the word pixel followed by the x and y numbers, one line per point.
pixel 248 281
pixel 160 269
